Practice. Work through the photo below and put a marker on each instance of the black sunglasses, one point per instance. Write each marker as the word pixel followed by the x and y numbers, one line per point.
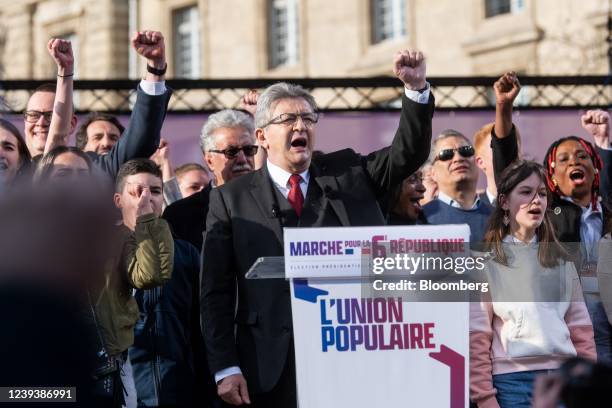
pixel 447 154
pixel 232 152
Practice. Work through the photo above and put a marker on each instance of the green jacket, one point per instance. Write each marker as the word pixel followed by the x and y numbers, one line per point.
pixel 145 261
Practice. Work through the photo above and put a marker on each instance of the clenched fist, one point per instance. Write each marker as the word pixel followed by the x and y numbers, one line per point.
pixel 506 88
pixel 161 154
pixel 409 67
pixel 61 52
pixel 150 44
pixel 249 101
pixel 597 123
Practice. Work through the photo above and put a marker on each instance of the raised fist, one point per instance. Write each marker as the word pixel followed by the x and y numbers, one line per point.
pixel 61 52
pixel 150 44
pixel 409 67
pixel 161 154
pixel 506 88
pixel 249 101
pixel 597 123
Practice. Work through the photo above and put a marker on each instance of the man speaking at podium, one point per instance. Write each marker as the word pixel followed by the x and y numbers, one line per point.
pixel 247 324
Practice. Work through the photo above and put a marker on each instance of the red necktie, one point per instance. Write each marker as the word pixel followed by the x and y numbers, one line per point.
pixel 295 197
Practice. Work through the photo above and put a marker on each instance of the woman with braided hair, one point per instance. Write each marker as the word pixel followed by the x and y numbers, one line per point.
pixel 577 175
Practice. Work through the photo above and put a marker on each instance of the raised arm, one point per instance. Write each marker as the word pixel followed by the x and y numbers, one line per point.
pixel 161 157
pixel 506 88
pixel 410 146
pixel 63 119
pixel 503 138
pixel 249 101
pixel 142 136
pixel 597 124
pixel 249 104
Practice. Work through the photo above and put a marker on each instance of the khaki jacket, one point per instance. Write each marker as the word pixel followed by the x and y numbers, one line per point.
pixel 145 261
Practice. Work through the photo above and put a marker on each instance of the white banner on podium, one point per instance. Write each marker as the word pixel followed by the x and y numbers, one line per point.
pixel 356 351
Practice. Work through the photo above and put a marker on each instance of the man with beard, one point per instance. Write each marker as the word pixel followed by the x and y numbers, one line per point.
pixel 99 133
pixel 228 145
pixel 455 172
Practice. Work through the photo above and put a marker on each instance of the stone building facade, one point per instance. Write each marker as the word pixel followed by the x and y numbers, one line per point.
pixel 309 38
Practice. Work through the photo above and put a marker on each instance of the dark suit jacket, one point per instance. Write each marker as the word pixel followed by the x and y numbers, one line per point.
pixel 245 222
pixel 187 217
pixel 141 137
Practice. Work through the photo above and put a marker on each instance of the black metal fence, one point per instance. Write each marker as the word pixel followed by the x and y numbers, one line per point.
pixel 332 94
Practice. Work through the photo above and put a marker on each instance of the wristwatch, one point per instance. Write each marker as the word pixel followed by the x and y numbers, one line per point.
pixel 156 71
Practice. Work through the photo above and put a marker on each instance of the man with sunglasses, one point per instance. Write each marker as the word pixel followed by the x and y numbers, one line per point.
pixel 228 145
pixel 454 170
pixel 247 325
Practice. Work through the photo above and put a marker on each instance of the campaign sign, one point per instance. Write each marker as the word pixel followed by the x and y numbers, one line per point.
pixel 354 350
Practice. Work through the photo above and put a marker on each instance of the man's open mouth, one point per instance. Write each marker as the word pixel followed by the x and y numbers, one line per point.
pixel 299 142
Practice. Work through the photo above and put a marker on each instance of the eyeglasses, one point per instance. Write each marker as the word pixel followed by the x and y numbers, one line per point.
pixel 232 152
pixel 32 116
pixel 288 119
pixel 447 154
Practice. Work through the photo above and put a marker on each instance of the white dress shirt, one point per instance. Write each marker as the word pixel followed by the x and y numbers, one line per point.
pixel 492 197
pixel 280 179
pixel 153 87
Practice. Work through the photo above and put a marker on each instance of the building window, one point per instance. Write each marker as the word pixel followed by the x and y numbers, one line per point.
pixel 496 7
pixel 187 43
pixel 284 30
pixel 388 19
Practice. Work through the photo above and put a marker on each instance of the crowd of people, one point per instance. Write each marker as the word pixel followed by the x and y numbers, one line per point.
pixel 165 316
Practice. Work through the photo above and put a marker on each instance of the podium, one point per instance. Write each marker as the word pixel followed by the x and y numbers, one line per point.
pixel 357 346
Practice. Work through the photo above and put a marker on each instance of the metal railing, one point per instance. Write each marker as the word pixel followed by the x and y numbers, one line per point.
pixel 332 94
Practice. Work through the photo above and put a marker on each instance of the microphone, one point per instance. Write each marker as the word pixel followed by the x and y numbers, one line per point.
pixel 275 211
